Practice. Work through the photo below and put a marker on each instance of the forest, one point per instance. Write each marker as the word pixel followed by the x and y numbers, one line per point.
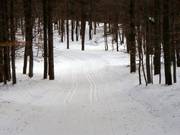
pixel 151 29
pixel 89 67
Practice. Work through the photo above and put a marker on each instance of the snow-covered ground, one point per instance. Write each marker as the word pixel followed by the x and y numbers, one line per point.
pixel 93 94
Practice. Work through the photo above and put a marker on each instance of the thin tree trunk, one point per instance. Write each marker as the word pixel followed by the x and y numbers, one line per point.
pixel 83 28
pixel 45 38
pixel 12 40
pixel 62 30
pixel 147 44
pixel 72 30
pixel 173 55
pixel 77 30
pixel 139 52
pixel 105 36
pixel 67 32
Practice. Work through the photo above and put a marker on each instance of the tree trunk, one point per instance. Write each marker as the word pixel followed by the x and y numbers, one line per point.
pixel 28 37
pixel 83 28
pixel 72 30
pixel 45 38
pixel 166 43
pixel 50 41
pixel 62 30
pixel 77 30
pixel 132 37
pixel 67 32
pixel 157 54
pixel 173 50
pixel 12 40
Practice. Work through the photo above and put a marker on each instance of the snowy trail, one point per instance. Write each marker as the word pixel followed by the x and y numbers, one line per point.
pixel 93 94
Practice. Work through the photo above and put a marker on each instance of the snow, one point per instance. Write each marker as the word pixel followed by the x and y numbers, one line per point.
pixel 93 94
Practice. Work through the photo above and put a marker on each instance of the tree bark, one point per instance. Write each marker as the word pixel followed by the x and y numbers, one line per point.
pixel 12 40
pixel 45 20
pixel 50 41
pixel 166 43
pixel 28 37
pixel 132 37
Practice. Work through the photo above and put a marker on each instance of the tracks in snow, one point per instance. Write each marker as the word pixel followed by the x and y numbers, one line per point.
pixel 93 88
pixel 89 75
pixel 72 90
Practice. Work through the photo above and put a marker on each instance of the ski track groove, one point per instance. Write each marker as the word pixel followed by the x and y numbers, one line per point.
pixel 73 89
pixel 73 92
pixel 109 108
pixel 92 87
pixel 92 74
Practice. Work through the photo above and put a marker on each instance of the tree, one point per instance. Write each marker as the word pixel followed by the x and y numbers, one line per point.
pixel 50 41
pixel 45 22
pixel 132 37
pixel 12 40
pixel 28 37
pixel 166 42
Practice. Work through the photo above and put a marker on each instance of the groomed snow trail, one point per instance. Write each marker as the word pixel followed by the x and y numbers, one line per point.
pixel 93 94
